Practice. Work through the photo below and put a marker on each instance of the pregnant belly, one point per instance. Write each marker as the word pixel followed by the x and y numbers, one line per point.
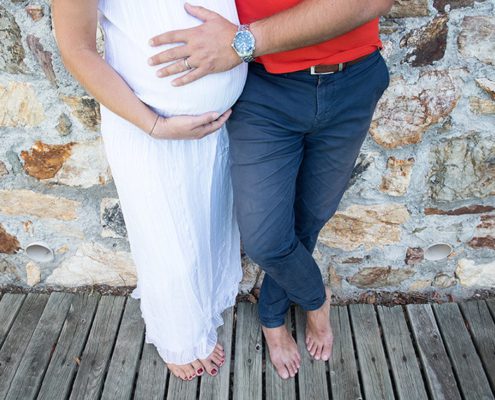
pixel 214 92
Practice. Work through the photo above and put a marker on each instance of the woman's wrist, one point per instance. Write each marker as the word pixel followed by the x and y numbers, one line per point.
pixel 153 127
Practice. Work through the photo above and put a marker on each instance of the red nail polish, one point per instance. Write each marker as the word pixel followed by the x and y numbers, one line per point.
pixel 200 371
pixel 214 371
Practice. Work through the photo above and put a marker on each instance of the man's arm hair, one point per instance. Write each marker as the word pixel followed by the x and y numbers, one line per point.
pixel 314 21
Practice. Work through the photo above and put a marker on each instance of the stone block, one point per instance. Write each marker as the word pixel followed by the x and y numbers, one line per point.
pixel 27 202
pixel 368 225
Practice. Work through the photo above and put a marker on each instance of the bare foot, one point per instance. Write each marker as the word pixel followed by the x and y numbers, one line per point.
pixel 319 336
pixel 283 351
pixel 185 372
pixel 214 361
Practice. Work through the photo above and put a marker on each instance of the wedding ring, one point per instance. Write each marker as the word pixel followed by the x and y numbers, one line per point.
pixel 187 63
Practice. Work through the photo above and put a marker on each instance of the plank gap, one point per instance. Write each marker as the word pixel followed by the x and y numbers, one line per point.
pixel 294 335
pixel 232 353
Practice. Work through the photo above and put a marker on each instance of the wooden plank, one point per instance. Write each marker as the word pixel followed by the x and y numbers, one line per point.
pixel 344 380
pixel 62 367
pixel 152 375
pixel 95 358
pixel 18 338
pixel 375 376
pixel 482 330
pixel 276 387
pixel 312 376
pixel 404 364
pixel 439 375
pixel 32 367
pixel 467 365
pixel 182 390
pixel 248 354
pixel 217 387
pixel 119 381
pixel 9 307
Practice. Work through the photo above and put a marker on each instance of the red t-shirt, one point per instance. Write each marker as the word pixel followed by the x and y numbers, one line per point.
pixel 353 44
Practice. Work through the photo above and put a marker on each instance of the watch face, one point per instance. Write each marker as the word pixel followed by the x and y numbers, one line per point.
pixel 244 43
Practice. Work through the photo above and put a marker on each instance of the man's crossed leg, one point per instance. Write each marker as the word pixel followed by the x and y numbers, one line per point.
pixel 294 139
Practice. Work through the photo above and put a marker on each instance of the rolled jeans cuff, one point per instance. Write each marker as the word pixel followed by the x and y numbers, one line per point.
pixel 315 305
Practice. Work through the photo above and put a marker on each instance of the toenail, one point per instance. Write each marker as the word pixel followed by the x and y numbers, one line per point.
pixel 214 371
pixel 200 371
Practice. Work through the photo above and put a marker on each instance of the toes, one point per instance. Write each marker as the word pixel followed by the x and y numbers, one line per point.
pixel 318 352
pixel 209 367
pixel 295 366
pixel 326 353
pixel 292 370
pixel 219 350
pixel 179 373
pixel 218 346
pixel 189 371
pixel 218 360
pixel 283 372
pixel 198 367
pixel 309 343
pixel 312 349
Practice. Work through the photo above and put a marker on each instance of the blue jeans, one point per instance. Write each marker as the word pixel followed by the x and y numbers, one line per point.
pixel 294 140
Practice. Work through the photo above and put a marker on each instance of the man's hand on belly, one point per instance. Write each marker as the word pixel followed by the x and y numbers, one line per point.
pixel 206 47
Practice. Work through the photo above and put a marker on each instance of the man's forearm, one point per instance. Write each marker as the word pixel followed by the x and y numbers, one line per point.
pixel 313 21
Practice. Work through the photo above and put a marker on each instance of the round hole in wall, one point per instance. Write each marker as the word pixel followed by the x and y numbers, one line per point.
pixel 39 251
pixel 438 251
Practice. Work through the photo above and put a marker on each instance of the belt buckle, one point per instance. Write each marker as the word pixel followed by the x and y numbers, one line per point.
pixel 313 72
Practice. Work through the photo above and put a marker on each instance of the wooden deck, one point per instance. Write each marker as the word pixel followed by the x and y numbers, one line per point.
pixel 89 346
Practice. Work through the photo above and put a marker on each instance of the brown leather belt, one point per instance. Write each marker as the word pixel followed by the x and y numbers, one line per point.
pixel 332 68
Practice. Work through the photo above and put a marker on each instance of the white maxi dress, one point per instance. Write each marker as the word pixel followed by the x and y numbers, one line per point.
pixel 175 195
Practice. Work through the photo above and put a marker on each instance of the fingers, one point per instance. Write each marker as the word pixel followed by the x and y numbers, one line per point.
pixel 192 76
pixel 175 53
pixel 204 119
pixel 175 68
pixel 213 126
pixel 216 124
pixel 178 36
pixel 191 127
pixel 199 12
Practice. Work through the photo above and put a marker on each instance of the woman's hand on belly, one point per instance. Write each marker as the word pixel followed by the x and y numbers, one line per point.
pixel 189 127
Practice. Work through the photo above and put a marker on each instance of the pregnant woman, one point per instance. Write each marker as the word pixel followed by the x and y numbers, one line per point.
pixel 167 148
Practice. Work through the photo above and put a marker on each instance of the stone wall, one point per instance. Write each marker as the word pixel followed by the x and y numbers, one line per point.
pixel 425 174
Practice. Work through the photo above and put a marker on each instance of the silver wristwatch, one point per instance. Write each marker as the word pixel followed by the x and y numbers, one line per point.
pixel 244 43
